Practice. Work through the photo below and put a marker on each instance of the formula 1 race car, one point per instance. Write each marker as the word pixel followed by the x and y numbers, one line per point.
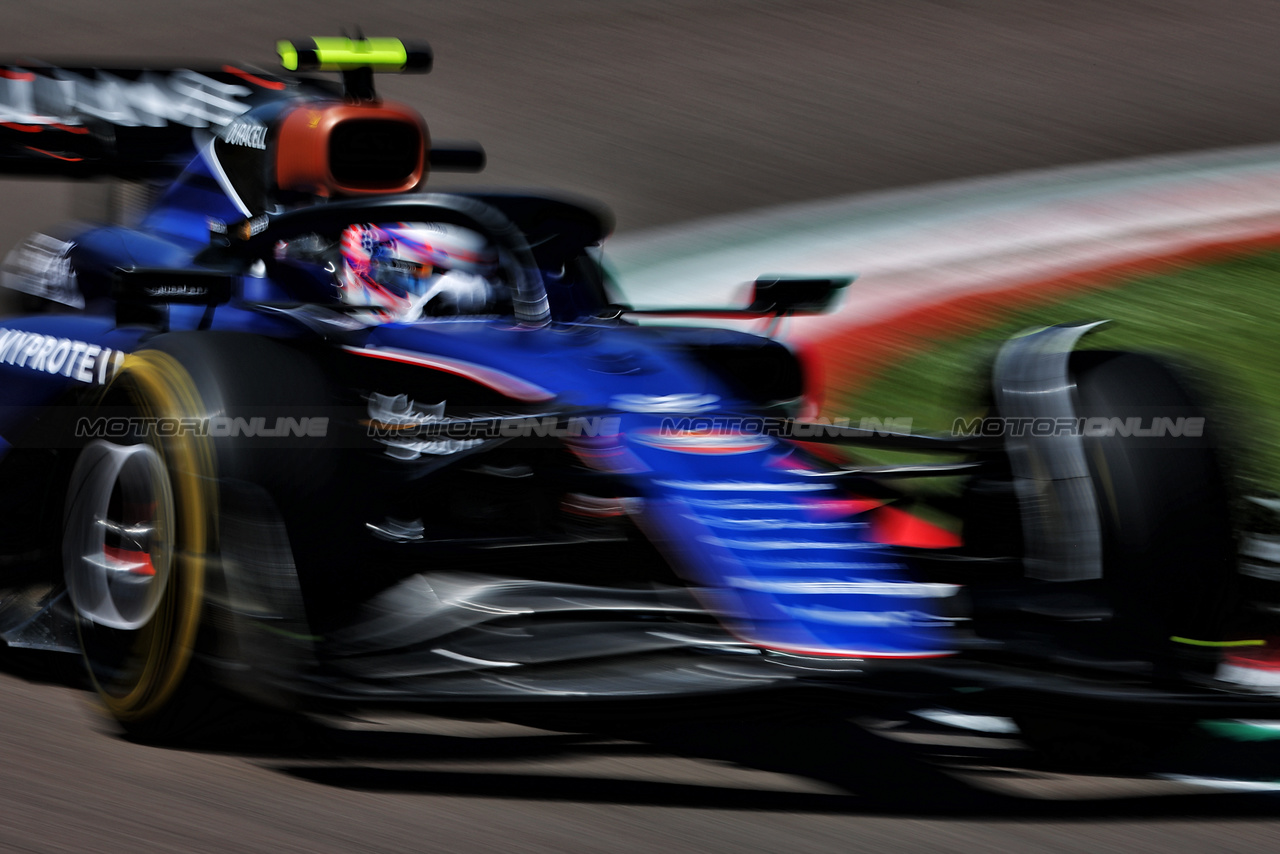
pixel 302 434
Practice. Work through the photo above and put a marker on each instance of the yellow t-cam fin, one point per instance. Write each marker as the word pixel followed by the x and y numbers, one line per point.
pixel 343 54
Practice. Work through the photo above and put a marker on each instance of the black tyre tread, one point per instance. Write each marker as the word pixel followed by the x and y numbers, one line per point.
pixel 1165 504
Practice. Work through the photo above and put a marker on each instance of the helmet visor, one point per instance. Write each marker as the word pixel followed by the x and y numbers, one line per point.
pixel 401 276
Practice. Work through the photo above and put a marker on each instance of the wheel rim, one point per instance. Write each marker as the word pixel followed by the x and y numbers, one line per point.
pixel 118 549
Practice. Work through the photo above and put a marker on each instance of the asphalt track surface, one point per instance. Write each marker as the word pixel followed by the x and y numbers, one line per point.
pixel 669 112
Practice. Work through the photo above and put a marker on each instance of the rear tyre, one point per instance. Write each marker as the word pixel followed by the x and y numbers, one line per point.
pixel 164 533
pixel 139 531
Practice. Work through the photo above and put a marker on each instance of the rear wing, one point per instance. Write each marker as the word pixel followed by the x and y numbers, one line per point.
pixel 136 123
pixel 128 123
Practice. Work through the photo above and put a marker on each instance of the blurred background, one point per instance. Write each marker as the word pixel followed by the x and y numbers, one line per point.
pixel 670 110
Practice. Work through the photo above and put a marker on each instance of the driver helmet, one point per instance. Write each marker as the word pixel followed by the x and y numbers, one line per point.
pixel 400 268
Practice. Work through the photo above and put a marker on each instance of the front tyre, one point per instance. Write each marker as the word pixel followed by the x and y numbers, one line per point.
pixel 1169 551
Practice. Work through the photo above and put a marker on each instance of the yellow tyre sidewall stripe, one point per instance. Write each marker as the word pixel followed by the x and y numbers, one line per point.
pixel 161 388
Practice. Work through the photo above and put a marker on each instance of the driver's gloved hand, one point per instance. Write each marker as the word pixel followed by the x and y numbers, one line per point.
pixel 456 292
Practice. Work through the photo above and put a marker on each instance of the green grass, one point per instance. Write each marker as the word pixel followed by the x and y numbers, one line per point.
pixel 1223 318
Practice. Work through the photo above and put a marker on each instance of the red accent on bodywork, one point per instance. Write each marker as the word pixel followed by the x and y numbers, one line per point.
pixel 895 527
pixel 499 381
pixel 823 451
pixel 23 128
pixel 714 441
pixel 843 654
pixel 833 508
pixel 54 156
pixel 274 85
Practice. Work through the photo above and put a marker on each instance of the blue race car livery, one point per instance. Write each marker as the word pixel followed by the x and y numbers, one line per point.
pixel 293 429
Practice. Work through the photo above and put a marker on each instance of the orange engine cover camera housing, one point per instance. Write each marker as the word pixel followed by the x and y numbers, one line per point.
pixel 351 149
